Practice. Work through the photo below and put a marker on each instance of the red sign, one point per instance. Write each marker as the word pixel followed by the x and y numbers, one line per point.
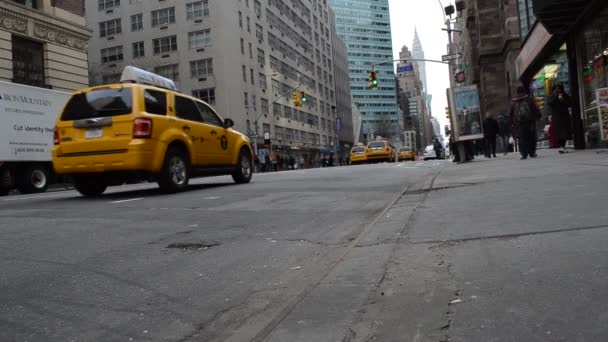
pixel 538 38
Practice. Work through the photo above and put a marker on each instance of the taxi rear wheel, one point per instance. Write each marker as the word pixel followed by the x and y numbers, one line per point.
pixel 176 171
pixel 89 185
pixel 243 172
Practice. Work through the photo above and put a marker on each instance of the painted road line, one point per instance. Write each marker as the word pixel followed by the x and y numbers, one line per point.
pixel 211 198
pixel 127 200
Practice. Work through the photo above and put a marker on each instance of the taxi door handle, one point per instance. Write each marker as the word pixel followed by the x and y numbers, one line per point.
pixel 185 127
pixel 213 132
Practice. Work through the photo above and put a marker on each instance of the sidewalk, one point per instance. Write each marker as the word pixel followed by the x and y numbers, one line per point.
pixel 501 250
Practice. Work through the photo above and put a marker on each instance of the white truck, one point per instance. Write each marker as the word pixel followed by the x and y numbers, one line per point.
pixel 27 122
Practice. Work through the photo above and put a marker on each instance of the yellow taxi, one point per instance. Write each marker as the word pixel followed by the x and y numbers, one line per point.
pixel 405 153
pixel 380 151
pixel 358 154
pixel 144 129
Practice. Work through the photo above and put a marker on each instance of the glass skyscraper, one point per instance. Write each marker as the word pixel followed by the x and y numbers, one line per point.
pixel 365 27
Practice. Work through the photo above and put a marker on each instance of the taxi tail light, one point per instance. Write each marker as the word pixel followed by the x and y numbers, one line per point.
pixel 142 128
pixel 56 136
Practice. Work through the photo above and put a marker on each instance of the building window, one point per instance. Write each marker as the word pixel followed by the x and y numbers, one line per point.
pixel 246 99
pixel 27 3
pixel 252 79
pixel 242 46
pixel 244 74
pixel 28 62
pixel 248 25
pixel 240 19
pixel 170 71
pixel 108 4
pixel 198 9
pixel 258 8
pixel 261 57
pixel 250 51
pixel 165 44
pixel 112 54
pixel 199 39
pixel 137 22
pixel 264 106
pixel 138 49
pixel 163 16
pixel 110 28
pixel 201 68
pixel 262 81
pixel 207 95
pixel 259 32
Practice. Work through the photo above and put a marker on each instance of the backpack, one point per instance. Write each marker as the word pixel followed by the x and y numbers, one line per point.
pixel 522 111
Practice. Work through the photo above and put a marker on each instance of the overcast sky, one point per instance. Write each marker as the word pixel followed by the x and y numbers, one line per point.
pixel 427 17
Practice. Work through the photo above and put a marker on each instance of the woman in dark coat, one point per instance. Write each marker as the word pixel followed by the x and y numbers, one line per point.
pixel 559 104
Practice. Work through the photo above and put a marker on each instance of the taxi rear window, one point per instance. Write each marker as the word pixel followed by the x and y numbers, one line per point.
pixel 376 145
pixel 98 103
pixel 358 149
pixel 405 149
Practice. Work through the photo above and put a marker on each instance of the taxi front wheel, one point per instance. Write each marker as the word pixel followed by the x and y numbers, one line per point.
pixel 176 171
pixel 242 173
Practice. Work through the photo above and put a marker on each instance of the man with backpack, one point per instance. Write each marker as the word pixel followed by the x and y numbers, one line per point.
pixel 524 113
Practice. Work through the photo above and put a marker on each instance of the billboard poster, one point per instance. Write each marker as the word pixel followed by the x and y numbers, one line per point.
pixel 467 119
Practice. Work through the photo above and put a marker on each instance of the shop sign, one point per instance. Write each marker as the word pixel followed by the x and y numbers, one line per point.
pixel 532 48
pixel 602 108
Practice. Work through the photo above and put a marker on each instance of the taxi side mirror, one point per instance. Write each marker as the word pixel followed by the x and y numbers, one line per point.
pixel 228 123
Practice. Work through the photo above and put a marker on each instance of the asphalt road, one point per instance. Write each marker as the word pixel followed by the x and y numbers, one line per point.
pixel 494 250
pixel 76 269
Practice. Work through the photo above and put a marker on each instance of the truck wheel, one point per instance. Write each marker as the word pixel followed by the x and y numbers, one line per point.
pixel 242 174
pixel 89 186
pixel 35 179
pixel 176 171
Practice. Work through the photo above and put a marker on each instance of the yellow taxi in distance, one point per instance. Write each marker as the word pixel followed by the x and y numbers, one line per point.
pixel 380 151
pixel 405 153
pixel 358 155
pixel 144 129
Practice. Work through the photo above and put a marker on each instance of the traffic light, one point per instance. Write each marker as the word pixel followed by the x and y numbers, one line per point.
pixel 303 98
pixel 447 113
pixel 296 99
pixel 373 80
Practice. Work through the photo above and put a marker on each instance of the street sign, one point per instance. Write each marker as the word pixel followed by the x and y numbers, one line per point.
pixel 450 57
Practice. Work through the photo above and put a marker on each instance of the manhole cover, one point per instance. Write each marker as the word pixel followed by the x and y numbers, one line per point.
pixel 194 245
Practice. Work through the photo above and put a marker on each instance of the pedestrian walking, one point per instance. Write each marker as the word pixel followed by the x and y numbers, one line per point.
pixel 504 132
pixel 490 131
pixel 524 113
pixel 559 104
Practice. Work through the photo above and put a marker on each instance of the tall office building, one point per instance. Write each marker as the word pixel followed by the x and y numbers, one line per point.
pixel 245 57
pixel 418 53
pixel 365 27
pixel 412 100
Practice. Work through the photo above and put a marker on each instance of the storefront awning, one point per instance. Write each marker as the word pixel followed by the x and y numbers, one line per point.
pixel 559 16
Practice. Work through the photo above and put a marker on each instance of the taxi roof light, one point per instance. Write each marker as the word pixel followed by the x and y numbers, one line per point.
pixel 131 74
